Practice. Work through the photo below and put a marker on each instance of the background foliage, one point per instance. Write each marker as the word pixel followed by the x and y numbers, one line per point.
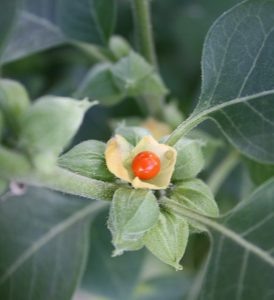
pixel 54 236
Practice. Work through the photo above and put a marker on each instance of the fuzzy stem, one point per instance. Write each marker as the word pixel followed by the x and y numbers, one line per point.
pixel 143 25
pixel 15 167
pixel 184 128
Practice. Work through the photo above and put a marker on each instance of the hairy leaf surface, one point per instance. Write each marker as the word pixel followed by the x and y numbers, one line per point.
pixel 44 235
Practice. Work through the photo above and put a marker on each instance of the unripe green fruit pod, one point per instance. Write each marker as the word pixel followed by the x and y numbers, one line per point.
pixel 14 102
pixel 167 240
pixel 119 46
pixel 190 160
pixel 132 214
pixel 48 126
pixel 195 195
pixel 87 159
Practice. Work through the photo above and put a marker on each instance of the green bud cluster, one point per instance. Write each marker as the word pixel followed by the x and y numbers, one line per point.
pixel 130 76
pixel 137 217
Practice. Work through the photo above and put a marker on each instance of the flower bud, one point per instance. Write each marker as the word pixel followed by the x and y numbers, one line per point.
pixel 195 195
pixel 190 160
pixel 119 46
pixel 48 126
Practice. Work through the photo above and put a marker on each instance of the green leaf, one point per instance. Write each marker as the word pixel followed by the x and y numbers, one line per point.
pixel 36 255
pixel 195 195
pixel 32 34
pixel 89 21
pixel 135 77
pixel 240 264
pixel 87 159
pixel 246 253
pixel 168 239
pixel 237 88
pixel 48 127
pixel 14 101
pixel 7 17
pixel 132 214
pixel 132 134
pixel 190 159
pixel 99 85
pixel 105 276
pixel 259 173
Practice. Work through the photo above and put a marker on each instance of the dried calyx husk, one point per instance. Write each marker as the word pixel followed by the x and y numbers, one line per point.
pixel 136 217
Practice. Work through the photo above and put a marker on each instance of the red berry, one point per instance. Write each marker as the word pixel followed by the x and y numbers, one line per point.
pixel 146 165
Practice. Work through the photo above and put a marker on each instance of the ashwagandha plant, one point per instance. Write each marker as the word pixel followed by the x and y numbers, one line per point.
pixel 157 178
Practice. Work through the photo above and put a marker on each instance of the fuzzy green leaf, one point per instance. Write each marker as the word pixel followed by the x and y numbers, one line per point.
pixel 87 159
pixel 132 214
pixel 237 88
pixel 44 239
pixel 168 239
pixel 241 261
pixel 190 159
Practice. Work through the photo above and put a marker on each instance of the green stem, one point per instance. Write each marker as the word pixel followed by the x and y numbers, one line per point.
pixel 15 167
pixel 70 183
pixel 184 129
pixel 221 172
pixel 143 25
